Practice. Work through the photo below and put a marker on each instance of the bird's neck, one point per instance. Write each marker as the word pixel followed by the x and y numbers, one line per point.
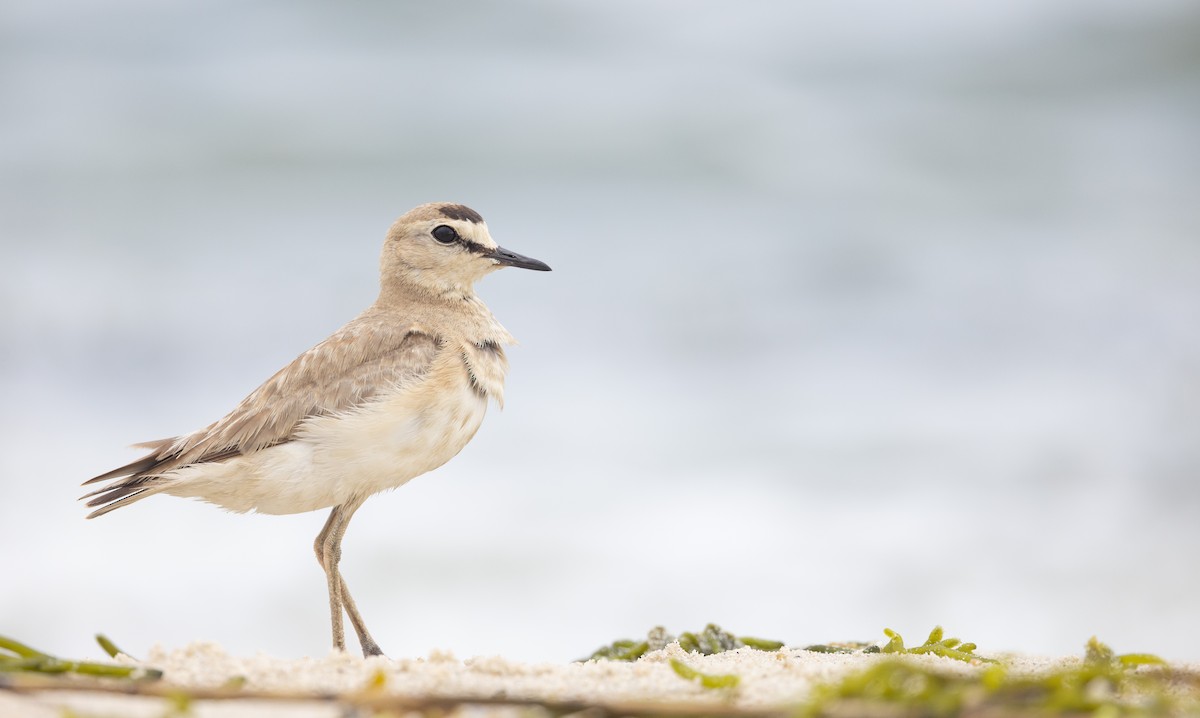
pixel 450 316
pixel 423 286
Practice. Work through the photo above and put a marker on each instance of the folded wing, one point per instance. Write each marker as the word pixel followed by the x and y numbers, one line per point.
pixel 342 372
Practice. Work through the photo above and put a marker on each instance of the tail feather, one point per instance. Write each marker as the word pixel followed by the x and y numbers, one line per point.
pixel 139 484
pixel 137 495
pixel 112 493
pixel 140 465
pixel 135 467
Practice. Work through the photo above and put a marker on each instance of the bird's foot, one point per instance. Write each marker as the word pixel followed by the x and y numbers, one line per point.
pixel 371 648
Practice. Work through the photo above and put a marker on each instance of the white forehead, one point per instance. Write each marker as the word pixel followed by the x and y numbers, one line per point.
pixel 473 232
pixel 468 223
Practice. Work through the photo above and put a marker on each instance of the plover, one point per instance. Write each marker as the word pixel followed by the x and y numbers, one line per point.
pixel 396 392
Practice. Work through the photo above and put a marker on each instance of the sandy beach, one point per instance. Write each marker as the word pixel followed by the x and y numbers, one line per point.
pixel 223 686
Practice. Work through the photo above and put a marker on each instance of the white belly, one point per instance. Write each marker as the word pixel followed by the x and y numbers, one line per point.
pixel 380 445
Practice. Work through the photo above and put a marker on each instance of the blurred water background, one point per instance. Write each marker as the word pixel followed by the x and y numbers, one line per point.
pixel 863 314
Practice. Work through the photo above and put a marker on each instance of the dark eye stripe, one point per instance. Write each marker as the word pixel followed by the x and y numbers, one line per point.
pixel 447 235
pixel 474 248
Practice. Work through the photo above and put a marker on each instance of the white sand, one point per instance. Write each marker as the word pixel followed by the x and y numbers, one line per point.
pixel 769 679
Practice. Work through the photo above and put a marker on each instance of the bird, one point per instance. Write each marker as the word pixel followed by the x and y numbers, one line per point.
pixel 395 393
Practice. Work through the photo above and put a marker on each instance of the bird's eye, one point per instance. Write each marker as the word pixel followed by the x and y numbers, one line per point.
pixel 445 234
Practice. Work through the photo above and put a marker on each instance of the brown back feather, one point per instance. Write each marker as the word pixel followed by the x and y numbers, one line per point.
pixel 363 358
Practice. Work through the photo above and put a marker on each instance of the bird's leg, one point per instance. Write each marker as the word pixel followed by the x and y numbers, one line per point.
pixel 328 547
pixel 324 556
pixel 368 644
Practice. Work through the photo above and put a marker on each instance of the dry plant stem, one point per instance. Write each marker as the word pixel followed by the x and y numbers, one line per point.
pixel 375 701
pixel 27 684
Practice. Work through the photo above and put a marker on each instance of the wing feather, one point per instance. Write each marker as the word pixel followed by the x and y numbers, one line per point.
pixel 349 368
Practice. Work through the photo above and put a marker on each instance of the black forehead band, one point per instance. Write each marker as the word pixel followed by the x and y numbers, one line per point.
pixel 461 213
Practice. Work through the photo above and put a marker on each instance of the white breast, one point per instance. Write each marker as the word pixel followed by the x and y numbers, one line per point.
pixel 380 445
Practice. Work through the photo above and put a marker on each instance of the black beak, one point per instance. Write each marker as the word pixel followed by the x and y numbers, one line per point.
pixel 512 259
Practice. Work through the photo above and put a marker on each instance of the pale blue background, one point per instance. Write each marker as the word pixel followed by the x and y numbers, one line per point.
pixel 864 314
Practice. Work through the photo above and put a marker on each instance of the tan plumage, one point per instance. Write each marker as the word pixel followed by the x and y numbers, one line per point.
pixel 396 392
pixel 343 372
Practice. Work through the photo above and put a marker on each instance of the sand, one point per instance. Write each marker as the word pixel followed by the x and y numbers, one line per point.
pixel 769 680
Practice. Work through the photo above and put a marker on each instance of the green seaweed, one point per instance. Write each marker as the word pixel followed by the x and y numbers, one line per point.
pixel 935 645
pixel 844 647
pixel 1103 684
pixel 710 641
pixel 179 705
pixel 761 644
pixel 109 647
pixel 713 639
pixel 707 680
pixel 620 650
pixel 17 657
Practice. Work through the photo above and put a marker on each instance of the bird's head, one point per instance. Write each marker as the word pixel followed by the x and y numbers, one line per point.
pixel 444 248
